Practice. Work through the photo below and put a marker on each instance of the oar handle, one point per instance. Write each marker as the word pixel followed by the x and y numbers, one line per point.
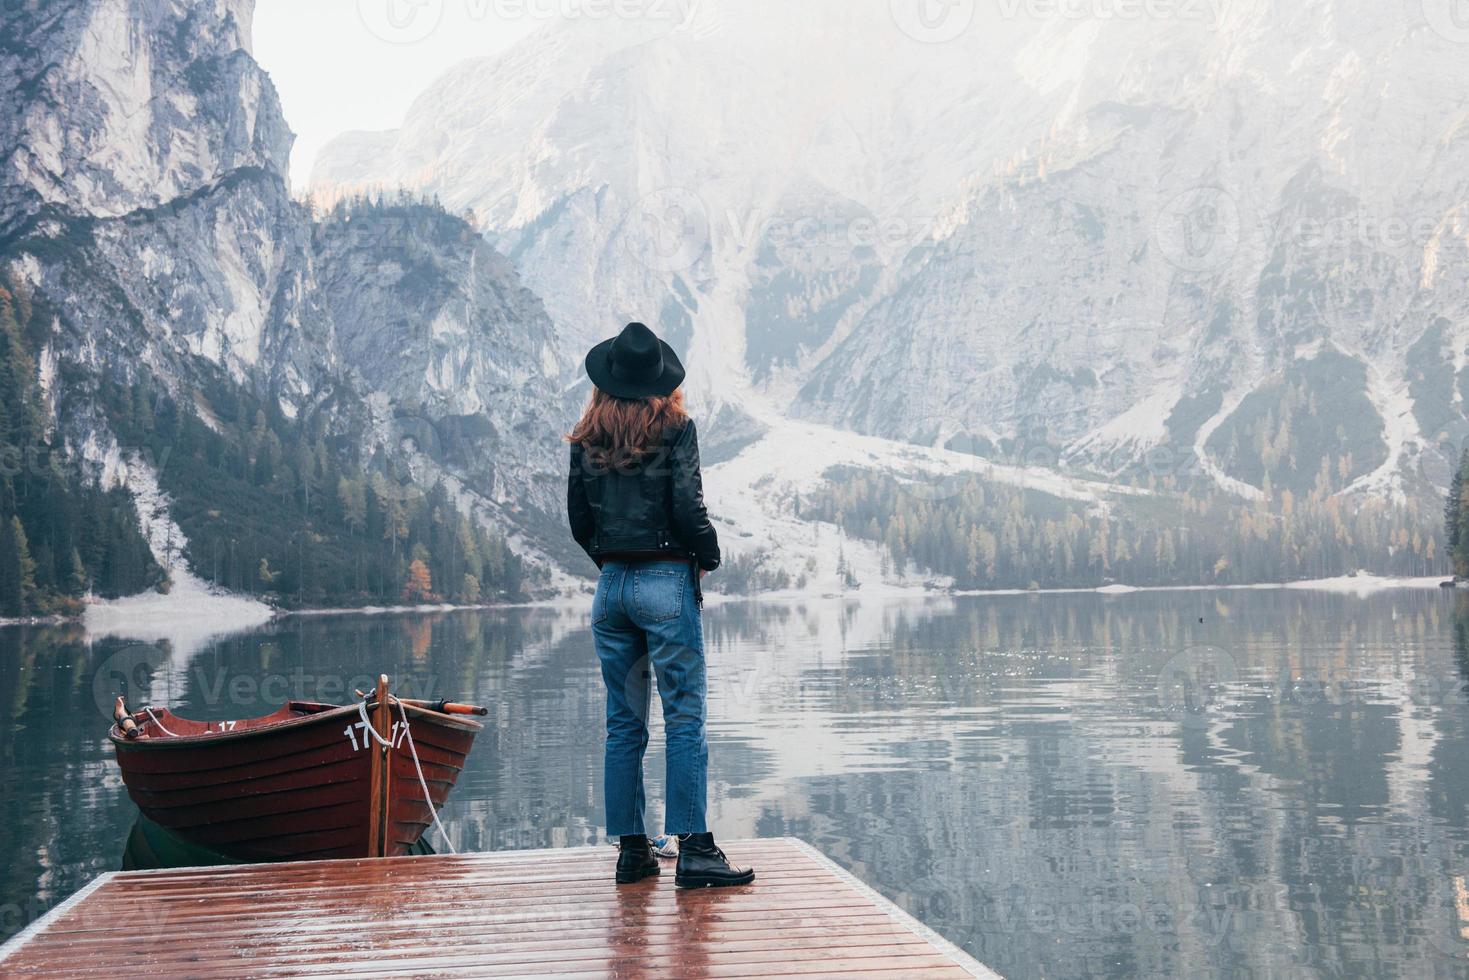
pixel 124 720
pixel 441 706
pixel 453 708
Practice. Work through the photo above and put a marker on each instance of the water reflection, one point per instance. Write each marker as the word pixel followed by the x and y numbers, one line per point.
pixel 1209 784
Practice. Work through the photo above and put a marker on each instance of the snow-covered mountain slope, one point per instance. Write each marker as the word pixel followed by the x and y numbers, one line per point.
pixel 755 501
pixel 1122 243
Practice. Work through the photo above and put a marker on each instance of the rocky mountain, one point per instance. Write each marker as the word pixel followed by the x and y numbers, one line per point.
pixel 144 206
pixel 437 326
pixel 1238 249
pixel 144 192
pixel 1221 248
pixel 699 171
pixel 1116 264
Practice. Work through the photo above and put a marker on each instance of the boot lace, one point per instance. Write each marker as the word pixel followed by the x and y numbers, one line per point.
pixel 716 849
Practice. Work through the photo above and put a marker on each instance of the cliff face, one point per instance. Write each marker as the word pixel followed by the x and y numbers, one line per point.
pixel 145 196
pixel 1240 249
pixel 432 317
pixel 145 206
pixel 117 105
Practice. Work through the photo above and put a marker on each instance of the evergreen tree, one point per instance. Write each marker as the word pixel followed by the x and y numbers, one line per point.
pixel 54 518
pixel 1003 537
pixel 1456 518
pixel 76 574
pixel 17 570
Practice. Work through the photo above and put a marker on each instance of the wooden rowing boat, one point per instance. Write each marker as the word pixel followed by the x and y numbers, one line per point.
pixel 307 781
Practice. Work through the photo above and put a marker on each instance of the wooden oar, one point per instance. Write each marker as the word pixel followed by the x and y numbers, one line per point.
pixel 441 706
pixel 124 720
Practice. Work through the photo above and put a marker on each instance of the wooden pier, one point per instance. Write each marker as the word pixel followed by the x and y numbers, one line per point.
pixel 515 913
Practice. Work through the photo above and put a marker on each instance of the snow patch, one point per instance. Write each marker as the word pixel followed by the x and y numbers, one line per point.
pixel 1364 583
pixel 753 500
pixel 193 613
pixel 1136 430
pixel 46 374
pixel 1394 405
pixel 1215 471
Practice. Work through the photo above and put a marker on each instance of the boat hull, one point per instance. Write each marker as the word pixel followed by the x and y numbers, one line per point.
pixel 149 847
pixel 295 785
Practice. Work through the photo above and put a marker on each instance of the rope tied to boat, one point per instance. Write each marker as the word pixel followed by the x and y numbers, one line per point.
pixel 412 751
pixel 165 731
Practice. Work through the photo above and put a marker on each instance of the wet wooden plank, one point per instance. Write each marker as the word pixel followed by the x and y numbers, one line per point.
pixel 523 913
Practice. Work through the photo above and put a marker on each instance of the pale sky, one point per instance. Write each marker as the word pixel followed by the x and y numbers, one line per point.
pixel 358 64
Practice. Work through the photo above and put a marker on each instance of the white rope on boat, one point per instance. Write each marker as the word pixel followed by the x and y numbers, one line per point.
pixel 159 723
pixel 413 751
pixel 362 710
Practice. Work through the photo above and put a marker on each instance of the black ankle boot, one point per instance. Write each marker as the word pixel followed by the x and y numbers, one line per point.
pixel 636 861
pixel 703 865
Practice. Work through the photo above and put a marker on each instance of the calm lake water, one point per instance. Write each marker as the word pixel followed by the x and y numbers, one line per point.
pixel 1199 784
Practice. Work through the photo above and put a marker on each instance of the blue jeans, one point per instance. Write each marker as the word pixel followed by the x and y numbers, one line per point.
pixel 645 614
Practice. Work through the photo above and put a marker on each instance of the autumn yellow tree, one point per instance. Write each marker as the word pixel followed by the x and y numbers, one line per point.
pixel 420 584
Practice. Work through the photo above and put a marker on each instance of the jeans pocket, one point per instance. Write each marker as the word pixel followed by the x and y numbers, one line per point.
pixel 599 601
pixel 658 593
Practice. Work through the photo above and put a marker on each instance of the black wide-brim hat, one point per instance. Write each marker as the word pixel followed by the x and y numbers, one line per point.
pixel 635 364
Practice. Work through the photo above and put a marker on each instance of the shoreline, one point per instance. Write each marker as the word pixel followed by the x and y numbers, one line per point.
pixel 1360 585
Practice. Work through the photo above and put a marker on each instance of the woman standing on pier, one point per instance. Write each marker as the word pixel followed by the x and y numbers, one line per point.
pixel 635 499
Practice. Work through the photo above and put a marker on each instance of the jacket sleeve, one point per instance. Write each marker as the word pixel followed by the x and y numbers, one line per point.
pixel 690 516
pixel 578 507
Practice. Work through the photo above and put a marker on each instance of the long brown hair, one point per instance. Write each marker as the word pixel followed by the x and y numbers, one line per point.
pixel 619 432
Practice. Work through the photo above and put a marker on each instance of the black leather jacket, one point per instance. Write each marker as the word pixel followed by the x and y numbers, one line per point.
pixel 655 508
